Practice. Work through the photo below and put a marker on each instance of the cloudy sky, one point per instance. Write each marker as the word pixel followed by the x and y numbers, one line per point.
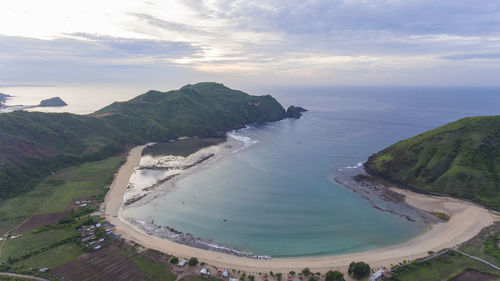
pixel 326 42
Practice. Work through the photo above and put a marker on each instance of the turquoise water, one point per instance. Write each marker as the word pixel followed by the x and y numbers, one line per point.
pixel 277 195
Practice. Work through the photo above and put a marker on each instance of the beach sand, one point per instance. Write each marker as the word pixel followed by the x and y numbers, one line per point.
pixel 466 221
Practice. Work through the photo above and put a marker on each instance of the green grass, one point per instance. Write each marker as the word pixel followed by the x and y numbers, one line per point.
pixel 441 268
pixel 7 278
pixel 32 241
pixel 52 258
pixel 452 263
pixel 441 216
pixel 460 159
pixel 57 192
pixel 156 271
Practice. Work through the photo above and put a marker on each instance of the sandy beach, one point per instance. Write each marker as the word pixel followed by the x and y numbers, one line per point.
pixel 466 220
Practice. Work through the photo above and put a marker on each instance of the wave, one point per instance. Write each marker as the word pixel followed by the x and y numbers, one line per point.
pixel 359 165
pixel 247 141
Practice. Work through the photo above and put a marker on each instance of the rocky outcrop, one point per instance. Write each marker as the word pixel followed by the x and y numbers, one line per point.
pixel 57 101
pixel 295 111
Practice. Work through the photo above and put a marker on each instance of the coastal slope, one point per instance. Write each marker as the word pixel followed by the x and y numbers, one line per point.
pixel 461 159
pixel 35 144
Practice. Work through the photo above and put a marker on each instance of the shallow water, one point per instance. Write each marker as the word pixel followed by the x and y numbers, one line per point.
pixel 277 194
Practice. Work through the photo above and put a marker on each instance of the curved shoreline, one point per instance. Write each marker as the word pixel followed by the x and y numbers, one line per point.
pixel 466 220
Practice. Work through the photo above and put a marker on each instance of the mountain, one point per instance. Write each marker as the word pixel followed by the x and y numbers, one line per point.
pixel 460 159
pixel 34 144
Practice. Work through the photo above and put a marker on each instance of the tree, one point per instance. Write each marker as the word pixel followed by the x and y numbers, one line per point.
pixel 251 277
pixel 359 270
pixel 193 261
pixel 292 273
pixel 243 276
pixel 306 271
pixel 334 276
pixel 278 276
pixel 174 260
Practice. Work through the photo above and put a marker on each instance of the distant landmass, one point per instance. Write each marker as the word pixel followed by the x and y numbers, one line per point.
pixel 52 102
pixel 3 99
pixel 33 144
pixel 461 159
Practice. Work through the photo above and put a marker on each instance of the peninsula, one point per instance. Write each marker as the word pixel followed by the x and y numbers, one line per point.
pixel 460 159
pixel 35 144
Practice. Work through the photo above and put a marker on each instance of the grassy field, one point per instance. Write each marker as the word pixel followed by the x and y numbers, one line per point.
pixel 54 195
pixel 32 241
pixel 52 258
pixel 57 192
pixel 452 264
pixel 156 271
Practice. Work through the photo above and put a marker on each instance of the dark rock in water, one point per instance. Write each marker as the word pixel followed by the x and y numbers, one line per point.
pixel 57 101
pixel 3 98
pixel 295 111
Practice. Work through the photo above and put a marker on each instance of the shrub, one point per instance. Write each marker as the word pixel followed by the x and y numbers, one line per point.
pixel 193 261
pixel 174 260
pixel 359 270
pixel 334 276
pixel 306 271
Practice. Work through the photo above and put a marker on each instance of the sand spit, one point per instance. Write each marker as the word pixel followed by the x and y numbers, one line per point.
pixel 466 220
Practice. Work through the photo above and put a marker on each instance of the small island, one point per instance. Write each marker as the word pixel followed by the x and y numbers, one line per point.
pixel 295 111
pixel 52 102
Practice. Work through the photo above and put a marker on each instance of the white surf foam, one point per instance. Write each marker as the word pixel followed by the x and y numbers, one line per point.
pixel 247 141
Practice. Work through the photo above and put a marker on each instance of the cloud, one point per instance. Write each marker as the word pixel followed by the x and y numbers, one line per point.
pixel 90 48
pixel 489 56
pixel 303 40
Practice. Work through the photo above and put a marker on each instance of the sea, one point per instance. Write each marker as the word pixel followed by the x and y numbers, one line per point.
pixel 278 197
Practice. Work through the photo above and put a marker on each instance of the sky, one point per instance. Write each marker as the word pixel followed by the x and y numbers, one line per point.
pixel 293 42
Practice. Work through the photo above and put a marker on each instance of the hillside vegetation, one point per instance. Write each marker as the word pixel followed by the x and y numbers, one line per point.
pixel 34 144
pixel 461 159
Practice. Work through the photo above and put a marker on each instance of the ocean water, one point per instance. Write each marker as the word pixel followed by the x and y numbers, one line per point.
pixel 278 195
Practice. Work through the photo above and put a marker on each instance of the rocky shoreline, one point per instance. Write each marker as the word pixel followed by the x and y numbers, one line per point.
pixel 188 239
pixel 379 195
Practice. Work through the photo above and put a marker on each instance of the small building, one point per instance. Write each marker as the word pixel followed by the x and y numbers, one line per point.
pixel 182 263
pixel 204 271
pixel 377 275
pixel 98 225
pixel 233 279
pixel 225 273
pixel 97 247
pixel 44 269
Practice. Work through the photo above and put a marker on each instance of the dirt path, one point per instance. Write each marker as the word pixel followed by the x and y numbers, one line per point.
pixel 23 276
pixel 6 234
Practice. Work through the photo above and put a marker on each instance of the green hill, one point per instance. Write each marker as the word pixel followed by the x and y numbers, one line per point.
pixel 461 159
pixel 34 144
